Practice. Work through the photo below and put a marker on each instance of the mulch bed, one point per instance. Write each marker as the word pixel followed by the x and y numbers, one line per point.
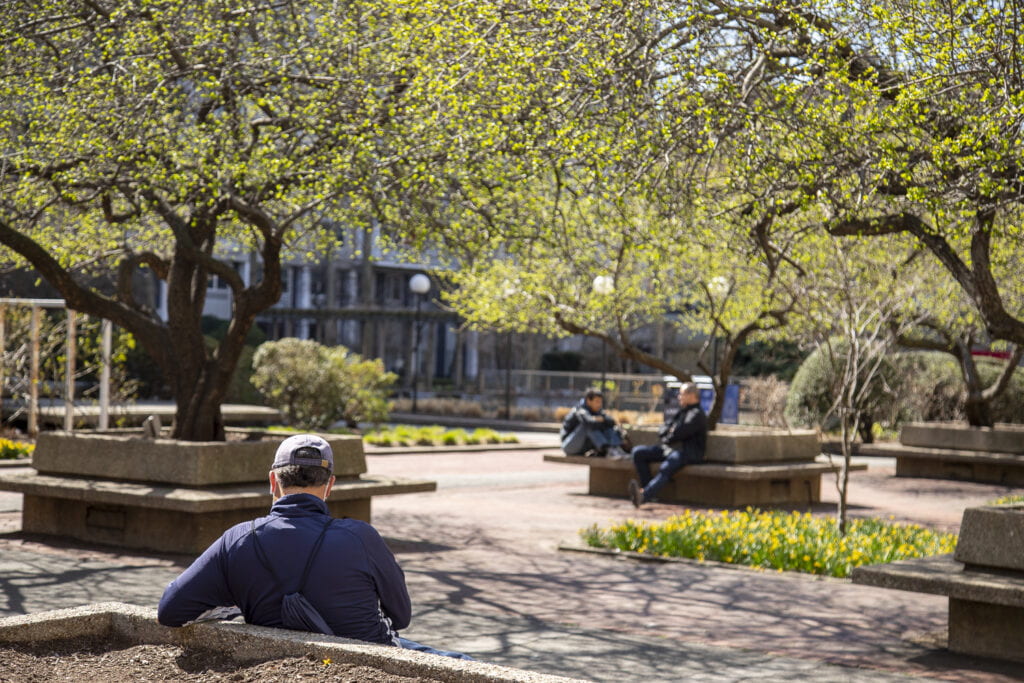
pixel 85 659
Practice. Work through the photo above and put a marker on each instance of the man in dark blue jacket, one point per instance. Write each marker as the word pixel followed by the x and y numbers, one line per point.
pixel 341 567
pixel 683 440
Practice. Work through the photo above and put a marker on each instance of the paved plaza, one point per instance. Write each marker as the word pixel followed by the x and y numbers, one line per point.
pixel 483 564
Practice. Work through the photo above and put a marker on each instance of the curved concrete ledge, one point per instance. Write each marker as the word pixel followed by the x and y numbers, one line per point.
pixel 1003 438
pixel 242 643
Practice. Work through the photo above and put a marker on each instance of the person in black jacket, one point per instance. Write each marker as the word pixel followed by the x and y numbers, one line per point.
pixel 683 439
pixel 588 430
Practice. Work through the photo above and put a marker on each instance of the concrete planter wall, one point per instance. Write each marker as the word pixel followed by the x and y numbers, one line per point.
pixel 1003 438
pixel 984 581
pixel 241 644
pixel 743 445
pixel 167 461
pixel 172 496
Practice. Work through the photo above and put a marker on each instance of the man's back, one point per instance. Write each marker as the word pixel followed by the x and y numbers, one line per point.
pixel 355 582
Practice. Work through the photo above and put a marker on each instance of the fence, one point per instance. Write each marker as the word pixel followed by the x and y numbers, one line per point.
pixel 549 388
pixel 36 306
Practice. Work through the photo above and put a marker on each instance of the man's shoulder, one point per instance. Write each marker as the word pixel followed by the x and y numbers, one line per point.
pixel 354 526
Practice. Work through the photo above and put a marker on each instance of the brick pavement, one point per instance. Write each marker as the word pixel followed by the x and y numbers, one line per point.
pixel 486 577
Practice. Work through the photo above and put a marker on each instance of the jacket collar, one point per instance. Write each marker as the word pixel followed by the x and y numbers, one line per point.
pixel 299 504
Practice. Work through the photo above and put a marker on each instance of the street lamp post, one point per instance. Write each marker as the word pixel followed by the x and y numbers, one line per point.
pixel 419 284
pixel 603 286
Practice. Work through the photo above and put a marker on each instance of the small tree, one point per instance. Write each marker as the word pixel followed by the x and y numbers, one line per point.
pixel 315 386
pixel 853 311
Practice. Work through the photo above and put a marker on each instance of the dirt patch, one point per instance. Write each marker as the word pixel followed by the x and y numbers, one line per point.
pixel 103 660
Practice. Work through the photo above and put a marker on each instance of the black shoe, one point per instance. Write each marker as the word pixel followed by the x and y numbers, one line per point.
pixel 636 494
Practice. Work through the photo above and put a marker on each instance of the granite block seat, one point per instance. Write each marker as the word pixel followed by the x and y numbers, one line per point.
pixel 957 451
pixel 742 467
pixel 172 496
pixel 983 579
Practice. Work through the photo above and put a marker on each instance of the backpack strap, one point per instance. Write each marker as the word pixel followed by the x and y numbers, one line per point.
pixel 313 554
pixel 265 561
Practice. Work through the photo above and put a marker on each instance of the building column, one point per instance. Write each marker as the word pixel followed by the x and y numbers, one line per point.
pixel 472 352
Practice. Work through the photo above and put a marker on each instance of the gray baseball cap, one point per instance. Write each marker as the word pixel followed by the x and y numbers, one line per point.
pixel 308 450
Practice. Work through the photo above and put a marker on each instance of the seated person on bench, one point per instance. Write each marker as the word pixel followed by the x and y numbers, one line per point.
pixel 683 440
pixel 588 430
pixel 298 567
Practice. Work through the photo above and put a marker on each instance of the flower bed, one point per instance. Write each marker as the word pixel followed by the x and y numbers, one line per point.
pixel 1008 500
pixel 406 435
pixel 774 540
pixel 12 450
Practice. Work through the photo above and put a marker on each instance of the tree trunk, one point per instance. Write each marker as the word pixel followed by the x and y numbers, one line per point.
pixel 978 410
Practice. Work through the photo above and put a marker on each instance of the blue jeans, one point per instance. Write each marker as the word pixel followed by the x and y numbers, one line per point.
pixel 671 463
pixel 407 644
pixel 596 438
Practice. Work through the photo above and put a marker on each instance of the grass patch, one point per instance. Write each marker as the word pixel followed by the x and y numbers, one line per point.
pixel 434 435
pixel 1008 500
pixel 774 540
pixel 12 450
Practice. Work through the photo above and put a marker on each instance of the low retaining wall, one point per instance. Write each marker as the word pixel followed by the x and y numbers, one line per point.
pixel 168 495
pixel 1003 438
pixel 240 643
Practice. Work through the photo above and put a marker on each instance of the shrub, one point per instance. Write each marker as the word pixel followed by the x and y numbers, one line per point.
pixel 934 388
pixel 812 391
pixel 767 398
pixel 315 386
pixel 774 540
pixel 1008 500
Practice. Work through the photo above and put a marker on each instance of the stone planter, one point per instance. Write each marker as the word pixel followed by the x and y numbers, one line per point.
pixel 167 461
pixel 239 644
pixel 173 496
pixel 1003 438
pixel 984 581
pixel 946 450
pixel 746 445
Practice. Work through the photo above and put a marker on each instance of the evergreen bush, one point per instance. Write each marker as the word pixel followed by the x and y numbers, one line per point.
pixel 315 386
pixel 814 387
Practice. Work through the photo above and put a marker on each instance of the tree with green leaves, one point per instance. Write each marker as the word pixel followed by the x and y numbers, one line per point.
pixel 160 135
pixel 945 321
pixel 887 117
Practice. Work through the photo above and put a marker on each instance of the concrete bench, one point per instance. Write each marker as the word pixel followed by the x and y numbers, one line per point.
pixel 712 483
pixel 743 466
pixel 240 644
pixel 168 495
pixel 943 450
pixel 984 581
pixel 947 463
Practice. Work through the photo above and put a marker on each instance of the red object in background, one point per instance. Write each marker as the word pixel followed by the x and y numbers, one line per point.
pixel 991 354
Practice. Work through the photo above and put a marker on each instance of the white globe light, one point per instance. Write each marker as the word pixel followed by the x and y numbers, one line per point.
pixel 419 283
pixel 603 285
pixel 719 286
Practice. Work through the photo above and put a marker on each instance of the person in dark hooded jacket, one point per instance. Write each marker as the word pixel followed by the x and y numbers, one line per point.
pixel 588 430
